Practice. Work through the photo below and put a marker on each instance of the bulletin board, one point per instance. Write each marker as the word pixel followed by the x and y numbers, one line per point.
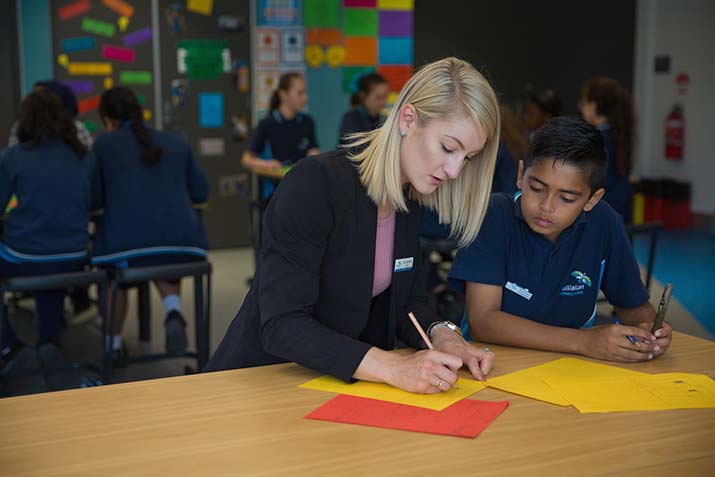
pixel 343 39
pixel 206 96
pixel 101 43
pixel 202 75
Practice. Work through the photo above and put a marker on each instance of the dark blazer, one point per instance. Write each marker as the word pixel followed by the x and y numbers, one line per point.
pixel 311 295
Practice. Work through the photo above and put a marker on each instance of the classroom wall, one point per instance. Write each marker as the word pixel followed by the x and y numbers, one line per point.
pixel 10 73
pixel 35 42
pixel 684 30
pixel 521 45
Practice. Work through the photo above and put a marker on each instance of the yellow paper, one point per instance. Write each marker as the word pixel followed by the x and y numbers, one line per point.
pixel 204 7
pixel 396 4
pixel 637 393
pixel 89 68
pixel 385 392
pixel 530 382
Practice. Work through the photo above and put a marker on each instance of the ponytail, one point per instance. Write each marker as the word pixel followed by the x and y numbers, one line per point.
pixel 121 104
pixel 284 84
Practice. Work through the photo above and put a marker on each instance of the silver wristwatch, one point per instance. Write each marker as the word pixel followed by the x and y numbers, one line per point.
pixel 440 324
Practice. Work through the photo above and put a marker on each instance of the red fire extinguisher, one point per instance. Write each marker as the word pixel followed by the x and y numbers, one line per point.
pixel 675 134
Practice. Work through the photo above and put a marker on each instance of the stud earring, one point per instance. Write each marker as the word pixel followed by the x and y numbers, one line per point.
pixel 403 133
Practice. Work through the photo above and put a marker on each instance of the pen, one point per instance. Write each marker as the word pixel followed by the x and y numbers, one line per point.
pixel 630 338
pixel 424 336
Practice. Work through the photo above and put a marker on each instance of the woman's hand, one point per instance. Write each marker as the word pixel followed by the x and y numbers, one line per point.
pixel 610 342
pixel 424 372
pixel 479 361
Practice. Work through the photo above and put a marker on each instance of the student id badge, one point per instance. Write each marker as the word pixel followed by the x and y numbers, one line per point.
pixel 404 264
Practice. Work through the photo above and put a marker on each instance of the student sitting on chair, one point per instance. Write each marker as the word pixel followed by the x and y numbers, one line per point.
pixel 49 171
pixel 533 274
pixel 149 181
pixel 285 135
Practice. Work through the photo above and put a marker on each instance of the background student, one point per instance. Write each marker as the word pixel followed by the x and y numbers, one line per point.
pixel 606 105
pixel 539 108
pixel 149 181
pixel 367 104
pixel 49 171
pixel 533 274
pixel 286 134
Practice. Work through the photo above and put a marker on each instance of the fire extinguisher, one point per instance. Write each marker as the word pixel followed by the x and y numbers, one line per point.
pixel 675 134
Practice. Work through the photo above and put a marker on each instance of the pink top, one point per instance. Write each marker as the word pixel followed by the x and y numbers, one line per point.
pixel 384 245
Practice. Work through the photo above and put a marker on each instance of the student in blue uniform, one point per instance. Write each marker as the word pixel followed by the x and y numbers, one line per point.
pixel 533 274
pixel 540 108
pixel 606 105
pixel 286 134
pixel 49 171
pixel 149 181
pixel 367 104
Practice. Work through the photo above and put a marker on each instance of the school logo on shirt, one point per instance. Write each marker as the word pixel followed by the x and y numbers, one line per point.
pixel 303 144
pixel 582 281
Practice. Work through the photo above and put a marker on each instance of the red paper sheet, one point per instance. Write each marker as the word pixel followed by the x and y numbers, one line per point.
pixel 73 9
pixel 466 418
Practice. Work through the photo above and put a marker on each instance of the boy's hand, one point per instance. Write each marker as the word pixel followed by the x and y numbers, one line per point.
pixel 663 336
pixel 610 342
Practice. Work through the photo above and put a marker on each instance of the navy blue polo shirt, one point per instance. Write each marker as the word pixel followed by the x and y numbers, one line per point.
pixel 286 140
pixel 554 284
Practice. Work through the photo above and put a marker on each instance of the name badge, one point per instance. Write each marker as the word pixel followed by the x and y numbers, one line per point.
pixel 404 264
pixel 522 292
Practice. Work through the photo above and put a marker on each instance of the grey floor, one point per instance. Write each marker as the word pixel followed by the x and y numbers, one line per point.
pixel 232 268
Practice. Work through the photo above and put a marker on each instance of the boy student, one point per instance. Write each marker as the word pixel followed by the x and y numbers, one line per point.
pixel 533 274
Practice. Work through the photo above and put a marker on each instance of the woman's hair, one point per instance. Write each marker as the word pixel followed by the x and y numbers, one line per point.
pixel 364 87
pixel 42 116
pixel 547 101
pixel 284 84
pixel 614 102
pixel 120 104
pixel 446 88
pixel 512 134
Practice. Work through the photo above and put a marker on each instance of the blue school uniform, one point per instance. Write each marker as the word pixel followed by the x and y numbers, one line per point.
pixel 358 120
pixel 506 171
pixel 47 232
pixel 618 188
pixel 148 209
pixel 52 185
pixel 554 284
pixel 286 140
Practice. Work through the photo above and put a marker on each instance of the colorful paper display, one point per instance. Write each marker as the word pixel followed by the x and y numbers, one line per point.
pixel 323 36
pixel 360 51
pixel 292 45
pixel 396 4
pixel 321 13
pixel 267 46
pixel 359 22
pixel 360 3
pixel 80 43
pixel 203 59
pixel 351 75
pixel 135 77
pixel 278 13
pixel 120 7
pixel 396 75
pixel 138 36
pixel 89 68
pixel 115 53
pixel 202 7
pixel 88 104
pixel 98 27
pixel 79 86
pixel 74 9
pixel 466 418
pixel 211 110
pixel 395 23
pixel 385 392
pixel 395 51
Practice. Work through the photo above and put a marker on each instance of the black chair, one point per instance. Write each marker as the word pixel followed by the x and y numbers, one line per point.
pixel 57 281
pixel 140 277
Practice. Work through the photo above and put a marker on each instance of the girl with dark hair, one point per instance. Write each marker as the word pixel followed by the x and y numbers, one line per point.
pixel 149 181
pixel 50 173
pixel 367 104
pixel 606 105
pixel 540 108
pixel 285 135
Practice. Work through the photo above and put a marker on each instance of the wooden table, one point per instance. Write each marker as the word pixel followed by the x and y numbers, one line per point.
pixel 250 422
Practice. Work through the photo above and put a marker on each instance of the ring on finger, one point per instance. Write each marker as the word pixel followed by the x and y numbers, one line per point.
pixel 438 384
pixel 486 350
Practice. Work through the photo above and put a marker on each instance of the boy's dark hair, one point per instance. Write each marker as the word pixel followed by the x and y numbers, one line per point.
pixel 574 142
pixel 121 104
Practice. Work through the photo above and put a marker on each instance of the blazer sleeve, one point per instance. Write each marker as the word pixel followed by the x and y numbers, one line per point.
pixel 417 304
pixel 297 224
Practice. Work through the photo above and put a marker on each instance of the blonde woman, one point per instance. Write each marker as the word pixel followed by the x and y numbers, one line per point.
pixel 339 268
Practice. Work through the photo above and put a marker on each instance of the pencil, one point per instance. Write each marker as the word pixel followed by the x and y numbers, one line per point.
pixel 630 338
pixel 424 336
